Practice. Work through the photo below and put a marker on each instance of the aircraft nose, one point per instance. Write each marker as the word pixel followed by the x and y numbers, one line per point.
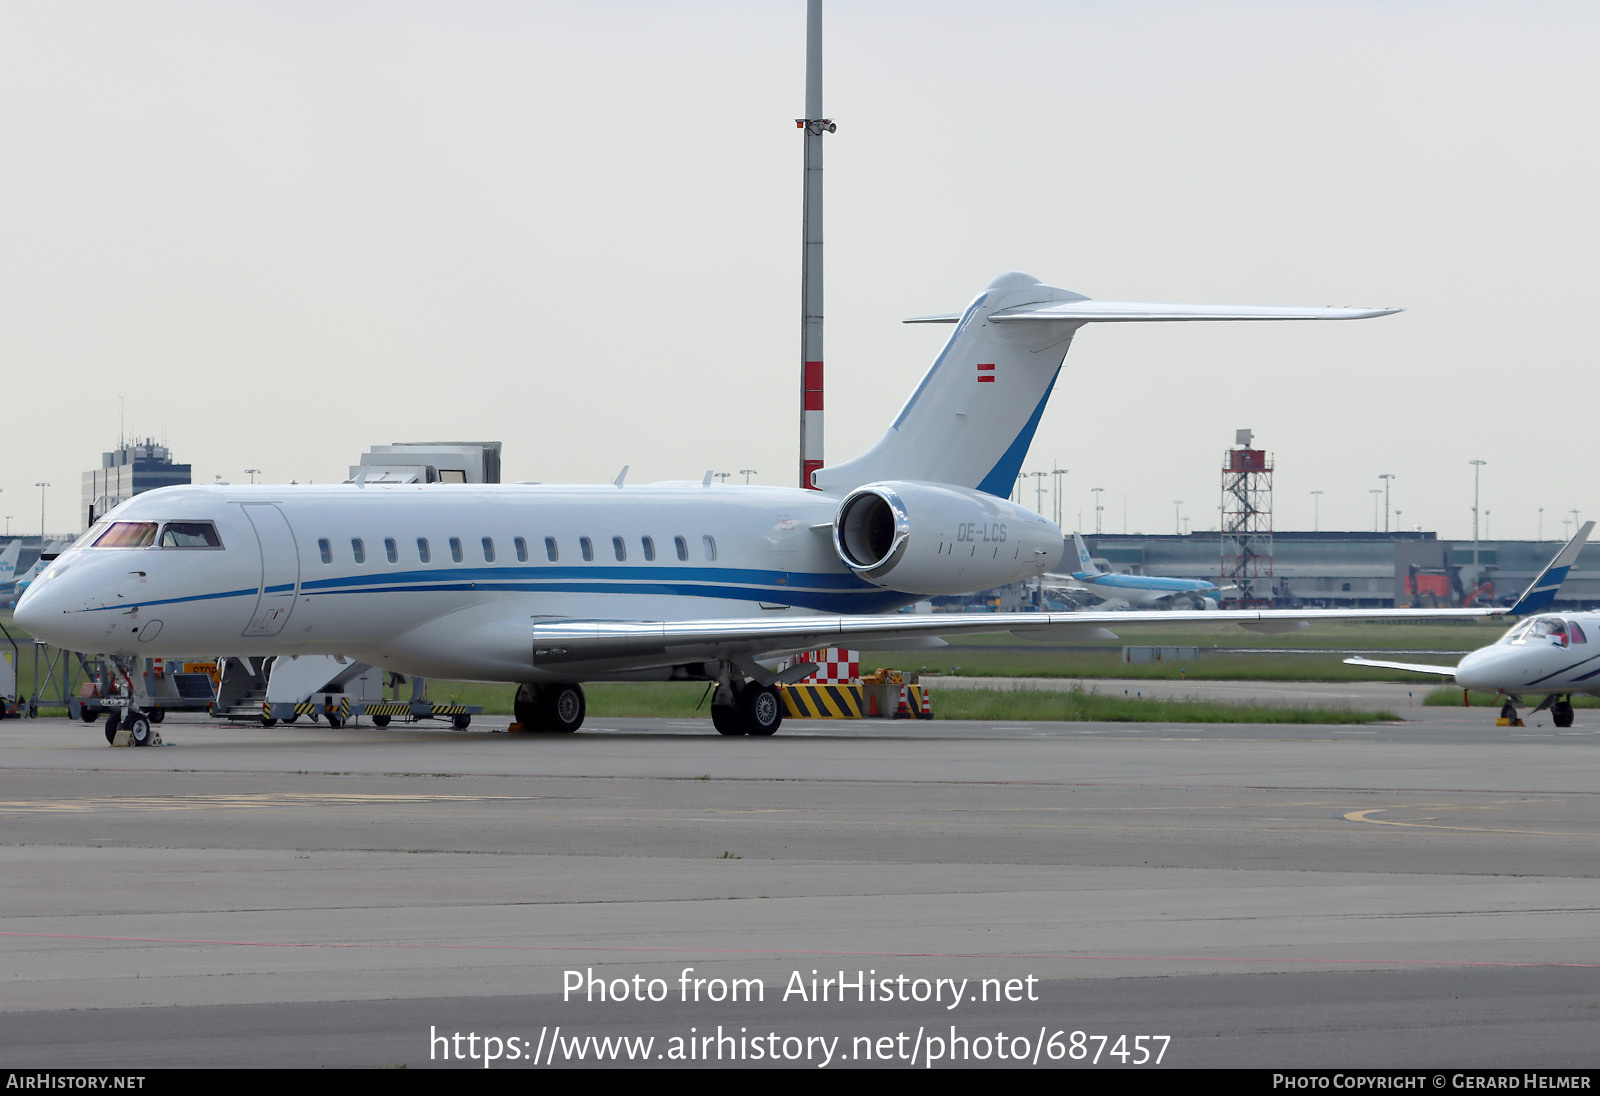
pixel 28 615
pixel 1482 670
pixel 45 611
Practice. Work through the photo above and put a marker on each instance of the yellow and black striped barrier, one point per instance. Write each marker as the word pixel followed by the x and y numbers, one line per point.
pixel 821 701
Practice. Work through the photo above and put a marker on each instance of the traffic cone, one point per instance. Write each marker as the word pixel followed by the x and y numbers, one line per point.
pixel 872 706
pixel 927 705
pixel 903 709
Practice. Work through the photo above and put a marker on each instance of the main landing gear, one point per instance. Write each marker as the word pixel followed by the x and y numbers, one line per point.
pixel 557 709
pixel 1560 709
pixel 748 707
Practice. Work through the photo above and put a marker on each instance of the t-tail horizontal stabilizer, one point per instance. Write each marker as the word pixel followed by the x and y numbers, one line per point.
pixel 1541 594
pixel 973 415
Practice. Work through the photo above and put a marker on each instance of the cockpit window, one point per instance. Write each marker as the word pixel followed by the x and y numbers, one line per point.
pixel 1575 633
pixel 92 535
pixel 1550 629
pixel 128 534
pixel 190 534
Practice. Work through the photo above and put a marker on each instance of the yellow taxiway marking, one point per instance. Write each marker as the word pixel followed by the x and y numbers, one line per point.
pixel 1364 816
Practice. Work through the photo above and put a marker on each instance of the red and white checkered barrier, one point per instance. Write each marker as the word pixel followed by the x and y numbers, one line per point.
pixel 835 666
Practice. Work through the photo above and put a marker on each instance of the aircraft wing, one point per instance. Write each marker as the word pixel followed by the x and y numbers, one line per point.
pixel 1418 667
pixel 614 644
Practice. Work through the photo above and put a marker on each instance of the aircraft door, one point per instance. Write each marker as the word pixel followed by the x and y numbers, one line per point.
pixel 280 569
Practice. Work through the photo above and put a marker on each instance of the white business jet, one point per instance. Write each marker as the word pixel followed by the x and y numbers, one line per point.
pixel 548 587
pixel 1557 655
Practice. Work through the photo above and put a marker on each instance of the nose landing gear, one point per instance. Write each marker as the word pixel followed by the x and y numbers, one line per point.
pixel 137 721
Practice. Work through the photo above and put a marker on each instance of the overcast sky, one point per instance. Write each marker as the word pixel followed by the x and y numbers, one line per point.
pixel 287 231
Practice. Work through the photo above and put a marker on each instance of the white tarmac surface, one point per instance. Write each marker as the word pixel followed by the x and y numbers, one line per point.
pixel 1419 894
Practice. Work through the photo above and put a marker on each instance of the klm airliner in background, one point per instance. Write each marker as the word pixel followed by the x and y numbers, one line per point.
pixel 548 587
pixel 1144 591
pixel 8 569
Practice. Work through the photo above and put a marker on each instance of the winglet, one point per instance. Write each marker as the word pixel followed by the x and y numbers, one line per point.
pixel 1542 593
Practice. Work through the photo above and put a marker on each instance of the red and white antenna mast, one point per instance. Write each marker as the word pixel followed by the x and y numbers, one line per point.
pixel 813 126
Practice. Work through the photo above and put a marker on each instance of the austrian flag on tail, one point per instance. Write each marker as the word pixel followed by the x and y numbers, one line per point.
pixel 986 373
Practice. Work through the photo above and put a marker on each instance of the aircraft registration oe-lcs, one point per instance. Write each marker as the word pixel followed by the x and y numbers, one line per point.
pixel 1557 655
pixel 1147 591
pixel 548 587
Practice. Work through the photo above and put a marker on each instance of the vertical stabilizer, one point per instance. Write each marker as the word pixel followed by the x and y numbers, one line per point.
pixel 971 419
pixel 1085 564
pixel 1541 592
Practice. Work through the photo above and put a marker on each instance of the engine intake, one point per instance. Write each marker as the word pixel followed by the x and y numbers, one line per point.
pixel 930 538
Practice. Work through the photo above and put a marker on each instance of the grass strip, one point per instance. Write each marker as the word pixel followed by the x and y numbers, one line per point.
pixel 1088 706
pixel 674 700
pixel 1449 696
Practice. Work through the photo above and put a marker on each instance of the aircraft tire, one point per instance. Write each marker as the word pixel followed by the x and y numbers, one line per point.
pixel 1508 710
pixel 112 723
pixel 725 718
pixel 525 707
pixel 562 708
pixel 761 709
pixel 139 730
pixel 1561 713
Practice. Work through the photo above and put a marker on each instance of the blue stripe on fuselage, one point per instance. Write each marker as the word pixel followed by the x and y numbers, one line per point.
pixel 828 593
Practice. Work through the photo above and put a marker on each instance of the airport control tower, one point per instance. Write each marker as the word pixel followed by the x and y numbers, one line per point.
pixel 1246 525
pixel 131 470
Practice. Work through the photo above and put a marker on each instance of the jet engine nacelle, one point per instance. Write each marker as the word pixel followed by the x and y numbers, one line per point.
pixel 932 538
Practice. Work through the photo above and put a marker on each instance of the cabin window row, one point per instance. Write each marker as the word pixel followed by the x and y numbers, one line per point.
pixel 552 550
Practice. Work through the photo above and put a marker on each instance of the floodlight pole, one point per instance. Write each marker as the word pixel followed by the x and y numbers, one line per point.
pixel 813 125
pixel 1477 467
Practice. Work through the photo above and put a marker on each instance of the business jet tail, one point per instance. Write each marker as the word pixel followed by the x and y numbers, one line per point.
pixel 1541 592
pixel 971 419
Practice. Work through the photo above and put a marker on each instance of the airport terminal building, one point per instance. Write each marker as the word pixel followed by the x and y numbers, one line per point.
pixel 128 471
pixel 1359 570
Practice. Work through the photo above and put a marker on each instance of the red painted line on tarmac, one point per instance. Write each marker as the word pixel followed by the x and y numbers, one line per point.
pixel 804 951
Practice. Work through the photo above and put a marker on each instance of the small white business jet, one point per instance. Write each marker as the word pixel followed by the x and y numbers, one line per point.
pixel 1557 655
pixel 1144 591
pixel 548 587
